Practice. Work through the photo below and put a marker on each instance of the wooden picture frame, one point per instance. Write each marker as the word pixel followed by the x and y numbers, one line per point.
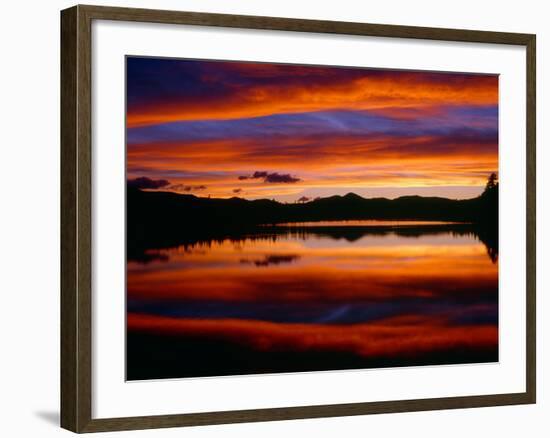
pixel 76 218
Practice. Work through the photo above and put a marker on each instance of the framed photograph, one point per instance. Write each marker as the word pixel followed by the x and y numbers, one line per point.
pixel 269 218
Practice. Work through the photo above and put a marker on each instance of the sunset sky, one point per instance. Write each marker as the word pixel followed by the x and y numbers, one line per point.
pixel 256 130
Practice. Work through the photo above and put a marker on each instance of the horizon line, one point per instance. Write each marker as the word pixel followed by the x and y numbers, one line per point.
pixel 299 200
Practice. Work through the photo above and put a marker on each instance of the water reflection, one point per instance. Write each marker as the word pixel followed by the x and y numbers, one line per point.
pixel 272 259
pixel 350 231
pixel 299 298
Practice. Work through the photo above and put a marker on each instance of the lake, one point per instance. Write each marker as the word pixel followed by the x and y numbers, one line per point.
pixel 314 296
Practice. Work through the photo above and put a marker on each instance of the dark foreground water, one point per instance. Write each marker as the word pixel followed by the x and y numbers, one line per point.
pixel 308 297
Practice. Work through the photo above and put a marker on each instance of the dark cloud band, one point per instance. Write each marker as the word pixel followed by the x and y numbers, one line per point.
pixel 271 177
pixel 147 183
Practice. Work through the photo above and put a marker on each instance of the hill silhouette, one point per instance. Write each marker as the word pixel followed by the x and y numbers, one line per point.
pixel 158 219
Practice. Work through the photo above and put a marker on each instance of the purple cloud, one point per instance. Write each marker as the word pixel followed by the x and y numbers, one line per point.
pixel 187 188
pixel 143 182
pixel 280 178
pixel 259 174
pixel 274 177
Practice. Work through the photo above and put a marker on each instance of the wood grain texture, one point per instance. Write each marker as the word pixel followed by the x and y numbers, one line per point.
pixel 531 213
pixel 76 223
pixel 299 25
pixel 76 250
pixel 303 412
pixel 69 328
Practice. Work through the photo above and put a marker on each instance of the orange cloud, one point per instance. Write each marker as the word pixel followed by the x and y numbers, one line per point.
pixel 395 94
pixel 335 161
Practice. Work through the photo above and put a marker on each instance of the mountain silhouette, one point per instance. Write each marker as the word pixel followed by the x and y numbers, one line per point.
pixel 158 219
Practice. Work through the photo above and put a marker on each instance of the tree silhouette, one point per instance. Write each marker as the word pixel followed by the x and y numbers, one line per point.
pixel 492 182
